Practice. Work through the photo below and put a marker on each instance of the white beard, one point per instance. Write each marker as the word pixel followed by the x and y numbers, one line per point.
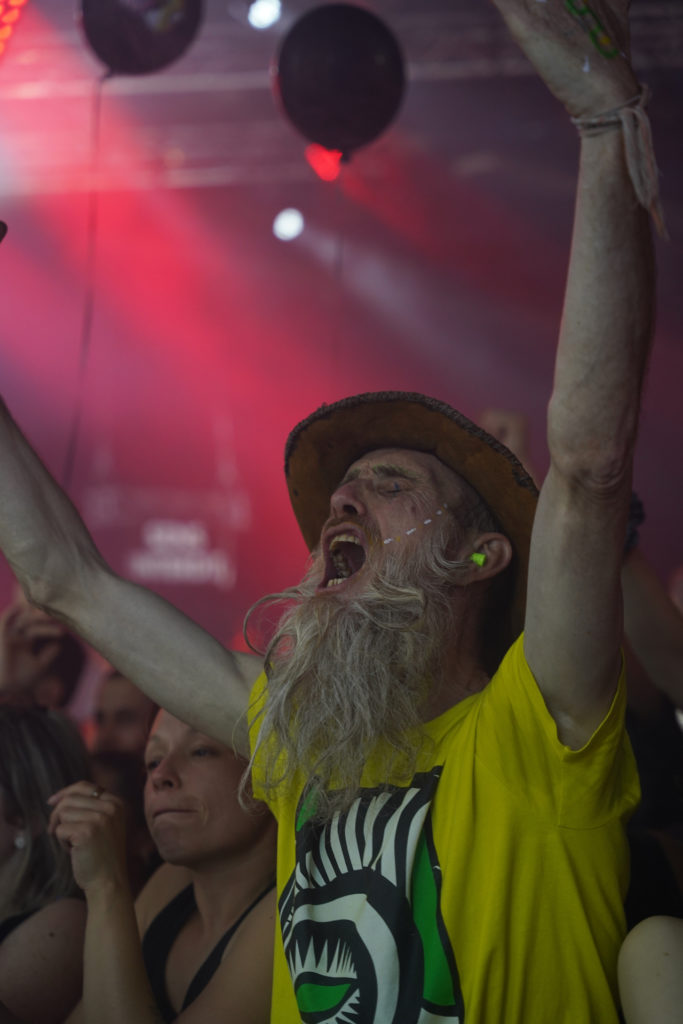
pixel 349 677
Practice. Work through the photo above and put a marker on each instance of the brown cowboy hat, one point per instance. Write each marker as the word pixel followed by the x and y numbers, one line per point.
pixel 323 446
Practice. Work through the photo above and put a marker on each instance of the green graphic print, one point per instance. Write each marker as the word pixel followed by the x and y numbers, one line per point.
pixel 361 919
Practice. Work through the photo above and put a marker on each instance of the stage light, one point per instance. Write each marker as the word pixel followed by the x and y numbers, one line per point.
pixel 288 225
pixel 325 162
pixel 8 20
pixel 264 13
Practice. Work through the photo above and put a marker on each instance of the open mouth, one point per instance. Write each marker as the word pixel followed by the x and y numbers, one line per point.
pixel 345 557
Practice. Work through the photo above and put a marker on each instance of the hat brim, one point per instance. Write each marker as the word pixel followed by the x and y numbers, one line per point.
pixel 322 447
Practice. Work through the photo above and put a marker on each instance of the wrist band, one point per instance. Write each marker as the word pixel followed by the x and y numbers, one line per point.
pixel 640 157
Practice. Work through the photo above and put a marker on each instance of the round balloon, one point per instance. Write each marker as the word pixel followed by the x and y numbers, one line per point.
pixel 340 76
pixel 135 37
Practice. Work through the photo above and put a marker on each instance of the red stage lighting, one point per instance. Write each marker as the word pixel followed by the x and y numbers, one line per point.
pixel 8 19
pixel 325 162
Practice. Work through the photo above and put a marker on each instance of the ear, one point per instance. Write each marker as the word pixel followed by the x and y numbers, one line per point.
pixel 496 550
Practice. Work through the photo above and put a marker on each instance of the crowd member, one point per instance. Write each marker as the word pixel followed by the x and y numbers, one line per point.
pixel 42 917
pixel 122 716
pixel 654 626
pixel 654 630
pixel 448 847
pixel 206 918
pixel 40 661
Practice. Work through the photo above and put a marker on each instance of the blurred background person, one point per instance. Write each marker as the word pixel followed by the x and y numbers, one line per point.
pixel 118 731
pixel 197 945
pixel 122 716
pixel 40 661
pixel 42 913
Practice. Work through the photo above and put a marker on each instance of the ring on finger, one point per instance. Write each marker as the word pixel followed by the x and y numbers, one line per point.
pixel 97 792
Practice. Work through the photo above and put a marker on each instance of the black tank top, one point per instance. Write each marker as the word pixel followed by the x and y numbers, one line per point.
pixel 10 923
pixel 159 938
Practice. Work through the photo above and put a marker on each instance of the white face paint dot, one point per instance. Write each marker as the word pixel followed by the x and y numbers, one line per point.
pixel 427 522
pixel 408 532
pixel 388 540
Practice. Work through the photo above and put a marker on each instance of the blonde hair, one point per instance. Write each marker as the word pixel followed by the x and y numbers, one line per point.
pixel 40 752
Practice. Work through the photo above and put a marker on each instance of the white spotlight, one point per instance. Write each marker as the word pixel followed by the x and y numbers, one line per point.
pixel 264 13
pixel 288 225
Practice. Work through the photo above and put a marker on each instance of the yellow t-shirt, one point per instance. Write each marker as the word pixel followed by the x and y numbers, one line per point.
pixel 487 891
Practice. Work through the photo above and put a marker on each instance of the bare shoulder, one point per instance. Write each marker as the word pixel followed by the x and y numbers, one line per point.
pixel 58 922
pixel 166 882
pixel 244 978
pixel 41 963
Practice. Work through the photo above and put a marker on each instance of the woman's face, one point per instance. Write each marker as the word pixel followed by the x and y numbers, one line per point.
pixel 191 804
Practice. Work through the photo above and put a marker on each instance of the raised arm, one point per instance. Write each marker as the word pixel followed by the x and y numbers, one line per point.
pixel 55 559
pixel 574 618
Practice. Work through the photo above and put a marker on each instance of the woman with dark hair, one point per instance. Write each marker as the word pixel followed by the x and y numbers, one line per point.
pixel 42 914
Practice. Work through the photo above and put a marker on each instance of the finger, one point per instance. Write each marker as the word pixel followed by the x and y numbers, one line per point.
pixel 42 630
pixel 75 835
pixel 85 786
pixel 83 810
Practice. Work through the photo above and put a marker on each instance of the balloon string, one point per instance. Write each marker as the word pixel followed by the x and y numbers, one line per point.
pixel 92 219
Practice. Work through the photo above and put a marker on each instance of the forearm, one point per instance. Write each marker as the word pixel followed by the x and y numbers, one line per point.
pixel 607 321
pixel 115 983
pixel 41 534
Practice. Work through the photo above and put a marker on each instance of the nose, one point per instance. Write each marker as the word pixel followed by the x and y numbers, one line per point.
pixel 164 775
pixel 347 500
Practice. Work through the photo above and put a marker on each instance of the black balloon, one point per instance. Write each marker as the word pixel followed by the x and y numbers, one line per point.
pixel 136 37
pixel 340 76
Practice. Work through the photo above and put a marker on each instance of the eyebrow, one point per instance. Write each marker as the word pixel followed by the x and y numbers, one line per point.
pixel 383 471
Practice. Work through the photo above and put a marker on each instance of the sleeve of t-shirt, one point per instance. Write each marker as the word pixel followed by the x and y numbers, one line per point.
pixel 517 741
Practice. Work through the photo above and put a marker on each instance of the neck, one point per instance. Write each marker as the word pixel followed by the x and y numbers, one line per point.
pixel 461 673
pixel 225 887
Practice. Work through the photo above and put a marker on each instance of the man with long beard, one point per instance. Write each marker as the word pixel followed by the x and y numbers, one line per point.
pixel 450 848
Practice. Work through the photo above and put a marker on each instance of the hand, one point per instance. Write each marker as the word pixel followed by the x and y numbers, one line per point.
pixel 580 48
pixel 90 823
pixel 22 660
pixel 507 427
